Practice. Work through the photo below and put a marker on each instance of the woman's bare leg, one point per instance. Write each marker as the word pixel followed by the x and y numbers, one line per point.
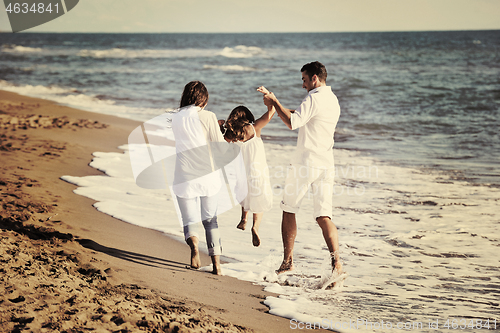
pixel 216 265
pixel 195 254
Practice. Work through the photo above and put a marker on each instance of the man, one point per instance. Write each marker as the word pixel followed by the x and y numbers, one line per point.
pixel 312 164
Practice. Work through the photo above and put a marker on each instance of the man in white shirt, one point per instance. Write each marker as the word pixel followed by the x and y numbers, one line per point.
pixel 312 164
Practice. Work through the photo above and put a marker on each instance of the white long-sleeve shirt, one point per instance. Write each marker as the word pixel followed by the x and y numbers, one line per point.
pixel 195 173
pixel 316 119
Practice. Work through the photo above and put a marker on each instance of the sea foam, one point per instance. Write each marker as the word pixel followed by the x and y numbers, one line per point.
pixel 402 237
pixel 241 51
pixel 20 49
pixel 147 53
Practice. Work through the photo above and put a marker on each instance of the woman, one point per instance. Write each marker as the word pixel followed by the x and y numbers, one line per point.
pixel 197 183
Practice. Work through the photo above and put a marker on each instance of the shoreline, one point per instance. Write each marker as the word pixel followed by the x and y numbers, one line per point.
pixel 119 253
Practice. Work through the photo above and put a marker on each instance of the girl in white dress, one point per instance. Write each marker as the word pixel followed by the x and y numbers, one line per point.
pixel 241 127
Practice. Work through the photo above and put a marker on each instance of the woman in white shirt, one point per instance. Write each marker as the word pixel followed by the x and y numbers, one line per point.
pixel 197 182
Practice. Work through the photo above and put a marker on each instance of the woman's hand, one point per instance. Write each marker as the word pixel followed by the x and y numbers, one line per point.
pixel 221 126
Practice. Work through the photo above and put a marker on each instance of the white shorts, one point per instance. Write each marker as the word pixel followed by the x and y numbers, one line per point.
pixel 299 179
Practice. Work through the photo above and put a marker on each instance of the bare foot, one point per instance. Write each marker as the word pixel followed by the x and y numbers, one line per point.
pixel 336 266
pixel 242 225
pixel 255 238
pixel 195 253
pixel 217 270
pixel 286 266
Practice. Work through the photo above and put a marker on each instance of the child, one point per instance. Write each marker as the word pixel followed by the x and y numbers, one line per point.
pixel 242 127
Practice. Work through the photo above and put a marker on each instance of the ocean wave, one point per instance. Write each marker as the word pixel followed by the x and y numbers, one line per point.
pixel 147 53
pixel 20 49
pixel 63 95
pixel 35 91
pixel 241 51
pixel 75 98
pixel 231 68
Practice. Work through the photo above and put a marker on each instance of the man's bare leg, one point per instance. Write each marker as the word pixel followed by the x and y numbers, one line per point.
pixel 216 265
pixel 195 254
pixel 257 218
pixel 288 234
pixel 243 222
pixel 330 234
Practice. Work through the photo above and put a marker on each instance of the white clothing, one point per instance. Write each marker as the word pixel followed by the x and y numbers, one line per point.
pixel 204 208
pixel 299 179
pixel 194 173
pixel 260 196
pixel 210 126
pixel 316 119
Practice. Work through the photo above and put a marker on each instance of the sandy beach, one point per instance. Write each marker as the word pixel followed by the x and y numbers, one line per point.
pixel 67 267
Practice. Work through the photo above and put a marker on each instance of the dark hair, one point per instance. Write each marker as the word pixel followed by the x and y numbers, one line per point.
pixel 315 68
pixel 237 120
pixel 195 93
pixel 229 135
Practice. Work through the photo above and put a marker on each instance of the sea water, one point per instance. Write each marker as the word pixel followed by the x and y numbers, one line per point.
pixel 417 148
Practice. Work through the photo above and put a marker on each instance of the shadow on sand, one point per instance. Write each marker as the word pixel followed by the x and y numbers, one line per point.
pixel 137 258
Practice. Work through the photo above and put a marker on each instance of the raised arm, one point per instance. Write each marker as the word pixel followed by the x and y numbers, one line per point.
pixel 266 117
pixel 271 101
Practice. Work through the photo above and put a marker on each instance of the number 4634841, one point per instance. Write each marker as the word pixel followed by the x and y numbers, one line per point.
pixel 35 8
pixel 471 324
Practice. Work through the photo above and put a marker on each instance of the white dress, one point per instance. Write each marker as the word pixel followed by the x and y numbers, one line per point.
pixel 260 195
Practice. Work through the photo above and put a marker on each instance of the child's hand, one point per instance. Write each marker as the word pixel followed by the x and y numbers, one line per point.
pixel 263 90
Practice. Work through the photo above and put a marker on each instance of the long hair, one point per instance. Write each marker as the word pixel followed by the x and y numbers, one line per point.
pixel 237 120
pixel 195 93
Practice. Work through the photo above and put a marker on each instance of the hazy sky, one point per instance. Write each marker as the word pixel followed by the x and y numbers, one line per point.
pixel 271 16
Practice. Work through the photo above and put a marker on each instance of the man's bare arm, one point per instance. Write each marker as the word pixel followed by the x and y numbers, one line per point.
pixel 284 113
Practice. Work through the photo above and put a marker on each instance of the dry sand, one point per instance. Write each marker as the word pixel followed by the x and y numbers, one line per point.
pixel 67 267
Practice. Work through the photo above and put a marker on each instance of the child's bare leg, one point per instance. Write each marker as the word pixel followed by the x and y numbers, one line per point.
pixel 195 254
pixel 243 222
pixel 257 218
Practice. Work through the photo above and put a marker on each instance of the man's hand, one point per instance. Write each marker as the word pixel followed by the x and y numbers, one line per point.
pixel 269 99
pixel 272 102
